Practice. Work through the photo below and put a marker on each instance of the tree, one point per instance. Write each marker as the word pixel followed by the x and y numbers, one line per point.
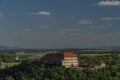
pixel 9 78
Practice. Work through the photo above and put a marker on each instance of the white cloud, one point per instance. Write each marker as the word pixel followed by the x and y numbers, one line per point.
pixel 106 26
pixel 1 14
pixel 106 19
pixel 109 3
pixel 44 27
pixel 67 31
pixel 101 26
pixel 27 29
pixel 42 13
pixel 109 18
pixel 70 30
pixel 84 21
pixel 92 26
pixel 14 33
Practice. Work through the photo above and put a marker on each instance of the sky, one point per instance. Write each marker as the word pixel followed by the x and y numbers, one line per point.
pixel 59 23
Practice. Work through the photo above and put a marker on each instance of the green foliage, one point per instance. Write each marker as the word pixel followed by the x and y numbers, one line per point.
pixel 35 70
pixel 12 57
pixel 9 78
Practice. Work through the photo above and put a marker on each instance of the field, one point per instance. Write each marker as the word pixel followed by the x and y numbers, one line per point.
pixel 9 60
pixel 10 64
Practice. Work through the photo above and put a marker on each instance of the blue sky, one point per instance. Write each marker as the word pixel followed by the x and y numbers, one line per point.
pixel 59 23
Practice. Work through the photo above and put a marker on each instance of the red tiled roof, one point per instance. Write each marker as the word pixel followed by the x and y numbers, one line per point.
pixel 69 54
pixel 99 62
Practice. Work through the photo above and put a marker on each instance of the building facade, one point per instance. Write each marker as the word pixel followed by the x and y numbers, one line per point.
pixel 69 60
pixel 66 59
pixel 97 65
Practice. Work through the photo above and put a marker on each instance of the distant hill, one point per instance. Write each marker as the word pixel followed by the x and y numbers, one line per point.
pixel 116 47
pixel 111 47
pixel 9 48
pixel 17 48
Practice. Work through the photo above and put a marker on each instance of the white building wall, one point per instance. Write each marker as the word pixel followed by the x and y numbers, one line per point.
pixel 70 62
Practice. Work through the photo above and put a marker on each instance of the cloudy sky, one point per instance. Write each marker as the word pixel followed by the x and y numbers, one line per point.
pixel 59 23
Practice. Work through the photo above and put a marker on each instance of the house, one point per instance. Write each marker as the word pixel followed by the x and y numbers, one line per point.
pixel 69 60
pixel 93 64
pixel 97 65
pixel 66 59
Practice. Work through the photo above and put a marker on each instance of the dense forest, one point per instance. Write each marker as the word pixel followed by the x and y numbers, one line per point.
pixel 36 70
